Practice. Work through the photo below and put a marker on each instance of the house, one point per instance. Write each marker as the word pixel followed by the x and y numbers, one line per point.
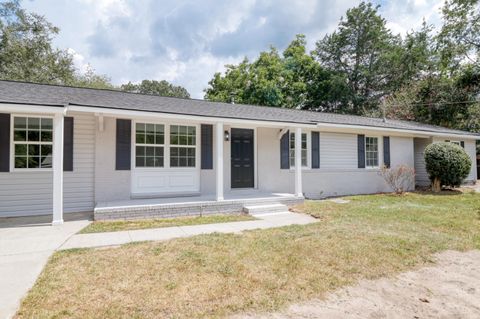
pixel 125 155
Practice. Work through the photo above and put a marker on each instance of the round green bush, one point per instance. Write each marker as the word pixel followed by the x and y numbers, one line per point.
pixel 447 163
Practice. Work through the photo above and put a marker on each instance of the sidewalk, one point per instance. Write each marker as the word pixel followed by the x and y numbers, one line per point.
pixel 166 233
pixel 26 243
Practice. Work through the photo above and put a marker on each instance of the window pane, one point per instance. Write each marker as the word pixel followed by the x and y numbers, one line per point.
pixel 140 128
pixel 150 161
pixel 33 136
pixel 46 150
pixel 33 123
pixel 159 139
pixel 33 150
pixel 20 123
pixel 46 162
pixel 150 151
pixel 20 150
pixel 150 138
pixel 20 162
pixel 158 151
pixel 174 139
pixel 33 162
pixel 46 136
pixel 140 161
pixel 47 124
pixel 150 128
pixel 20 136
pixel 140 138
pixel 140 150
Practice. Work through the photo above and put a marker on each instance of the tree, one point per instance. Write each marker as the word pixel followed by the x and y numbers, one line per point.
pixel 459 38
pixel 292 79
pixel 26 51
pixel 363 50
pixel 449 101
pixel 162 88
pixel 92 80
pixel 447 164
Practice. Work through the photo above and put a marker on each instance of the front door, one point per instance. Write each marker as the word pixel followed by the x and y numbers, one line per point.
pixel 242 158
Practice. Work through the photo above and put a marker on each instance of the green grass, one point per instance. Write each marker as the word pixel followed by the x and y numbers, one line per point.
pixel 257 271
pixel 112 226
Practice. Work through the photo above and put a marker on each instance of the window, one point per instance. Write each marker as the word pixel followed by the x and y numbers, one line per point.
pixel 32 142
pixel 149 145
pixel 304 150
pixel 371 151
pixel 182 146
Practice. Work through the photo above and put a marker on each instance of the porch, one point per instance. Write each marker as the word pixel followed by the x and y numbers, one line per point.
pixel 233 202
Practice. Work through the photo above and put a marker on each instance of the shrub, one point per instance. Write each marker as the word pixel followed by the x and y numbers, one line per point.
pixel 447 164
pixel 400 178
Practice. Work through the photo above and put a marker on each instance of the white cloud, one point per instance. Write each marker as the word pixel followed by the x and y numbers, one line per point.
pixel 187 41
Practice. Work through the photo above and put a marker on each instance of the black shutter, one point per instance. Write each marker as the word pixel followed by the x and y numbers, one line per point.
pixel 284 151
pixel 386 151
pixel 207 146
pixel 68 144
pixel 361 151
pixel 315 150
pixel 124 147
pixel 4 142
pixel 462 144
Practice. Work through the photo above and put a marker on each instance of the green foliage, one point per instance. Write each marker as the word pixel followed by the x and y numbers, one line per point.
pixel 92 80
pixel 27 54
pixel 459 38
pixel 363 50
pixel 292 79
pixel 26 51
pixel 447 162
pixel 162 88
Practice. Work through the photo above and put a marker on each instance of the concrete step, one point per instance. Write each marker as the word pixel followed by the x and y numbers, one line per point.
pixel 265 209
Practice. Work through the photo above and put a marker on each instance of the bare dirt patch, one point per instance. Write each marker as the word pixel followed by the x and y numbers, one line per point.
pixel 449 289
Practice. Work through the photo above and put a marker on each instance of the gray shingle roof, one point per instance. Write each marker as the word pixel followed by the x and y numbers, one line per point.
pixel 53 95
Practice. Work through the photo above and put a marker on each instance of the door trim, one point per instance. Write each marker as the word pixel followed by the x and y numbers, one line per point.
pixel 255 158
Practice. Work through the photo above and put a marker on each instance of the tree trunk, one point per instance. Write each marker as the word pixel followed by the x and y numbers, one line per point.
pixel 436 185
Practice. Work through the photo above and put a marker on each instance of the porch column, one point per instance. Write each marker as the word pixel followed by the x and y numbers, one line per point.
pixel 219 160
pixel 57 162
pixel 298 162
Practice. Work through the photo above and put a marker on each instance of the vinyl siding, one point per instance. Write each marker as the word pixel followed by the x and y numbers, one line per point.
pixel 30 193
pixel 78 191
pixel 421 177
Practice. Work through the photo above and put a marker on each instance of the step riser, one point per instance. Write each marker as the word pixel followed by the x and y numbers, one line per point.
pixel 265 210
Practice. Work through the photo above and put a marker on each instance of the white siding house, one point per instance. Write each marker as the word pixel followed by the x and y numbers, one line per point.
pixel 126 155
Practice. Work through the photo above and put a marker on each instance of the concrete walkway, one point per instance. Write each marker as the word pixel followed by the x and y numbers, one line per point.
pixel 25 246
pixel 155 234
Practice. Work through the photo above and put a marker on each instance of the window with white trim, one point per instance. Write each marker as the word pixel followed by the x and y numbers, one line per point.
pixel 149 145
pixel 182 146
pixel 32 142
pixel 304 150
pixel 371 152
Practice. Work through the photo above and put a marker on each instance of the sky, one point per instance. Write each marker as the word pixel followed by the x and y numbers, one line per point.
pixel 186 41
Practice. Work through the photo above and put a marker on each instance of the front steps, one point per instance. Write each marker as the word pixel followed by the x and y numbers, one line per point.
pixel 148 209
pixel 274 208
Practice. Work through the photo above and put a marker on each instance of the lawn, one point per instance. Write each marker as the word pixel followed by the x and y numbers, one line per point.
pixel 110 226
pixel 257 271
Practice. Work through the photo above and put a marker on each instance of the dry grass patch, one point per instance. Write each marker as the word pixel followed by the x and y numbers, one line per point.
pixel 221 274
pixel 119 225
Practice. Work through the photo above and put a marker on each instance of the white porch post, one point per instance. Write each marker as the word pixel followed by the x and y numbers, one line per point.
pixel 298 162
pixel 219 161
pixel 57 162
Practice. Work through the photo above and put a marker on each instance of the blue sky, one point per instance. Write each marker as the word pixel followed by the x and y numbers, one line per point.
pixel 187 41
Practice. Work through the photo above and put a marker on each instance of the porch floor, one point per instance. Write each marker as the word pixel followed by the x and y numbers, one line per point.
pixel 189 206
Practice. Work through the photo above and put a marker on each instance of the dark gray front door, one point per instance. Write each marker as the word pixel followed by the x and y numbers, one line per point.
pixel 242 158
